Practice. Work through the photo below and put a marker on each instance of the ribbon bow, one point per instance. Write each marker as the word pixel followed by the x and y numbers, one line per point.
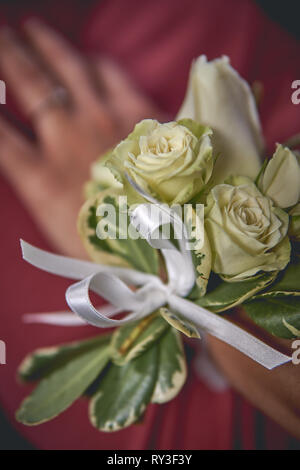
pixel 112 284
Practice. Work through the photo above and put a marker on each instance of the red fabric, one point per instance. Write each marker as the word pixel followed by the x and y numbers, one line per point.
pixel 155 42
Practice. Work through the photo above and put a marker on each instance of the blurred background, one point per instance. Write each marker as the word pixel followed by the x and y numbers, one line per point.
pixel 151 43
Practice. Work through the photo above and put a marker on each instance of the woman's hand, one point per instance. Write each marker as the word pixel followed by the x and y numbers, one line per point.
pixel 78 111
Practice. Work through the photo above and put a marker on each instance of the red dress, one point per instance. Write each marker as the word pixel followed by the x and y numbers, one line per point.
pixel 155 42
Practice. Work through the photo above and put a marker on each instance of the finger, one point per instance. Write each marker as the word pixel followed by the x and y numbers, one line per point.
pixel 25 76
pixel 69 67
pixel 128 103
pixel 18 157
pixel 35 89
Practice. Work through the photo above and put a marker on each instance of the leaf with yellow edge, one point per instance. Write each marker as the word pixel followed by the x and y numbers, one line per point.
pixel 179 323
pixel 124 392
pixel 130 341
pixel 172 370
pixel 56 392
pixel 228 295
pixel 43 361
pixel 201 255
pixel 119 248
pixel 98 250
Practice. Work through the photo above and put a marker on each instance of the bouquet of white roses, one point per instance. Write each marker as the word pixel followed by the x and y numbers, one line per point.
pixel 183 221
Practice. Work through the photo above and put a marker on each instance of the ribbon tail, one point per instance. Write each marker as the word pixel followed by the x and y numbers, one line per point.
pixel 65 318
pixel 77 269
pixel 229 333
pixel 55 318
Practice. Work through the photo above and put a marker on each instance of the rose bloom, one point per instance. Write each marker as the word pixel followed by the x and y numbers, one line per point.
pixel 281 178
pixel 220 97
pixel 246 231
pixel 171 161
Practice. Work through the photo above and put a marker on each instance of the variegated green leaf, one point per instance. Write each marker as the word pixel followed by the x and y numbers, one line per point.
pixel 228 295
pixel 179 323
pixel 43 361
pixel 125 392
pixel 172 369
pixel 98 250
pixel 278 315
pixel 118 248
pixel 287 283
pixel 129 341
pixel 61 388
pixel 202 263
pixel 201 256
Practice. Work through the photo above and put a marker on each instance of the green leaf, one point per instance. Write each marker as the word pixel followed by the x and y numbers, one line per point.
pixel 43 361
pixel 60 389
pixel 92 221
pixel 136 253
pixel 125 392
pixel 98 250
pixel 228 295
pixel 201 256
pixel 202 262
pixel 287 284
pixel 294 227
pixel 172 369
pixel 280 316
pixel 129 341
pixel 179 323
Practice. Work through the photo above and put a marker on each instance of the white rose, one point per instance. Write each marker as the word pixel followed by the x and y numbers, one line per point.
pixel 246 231
pixel 281 178
pixel 171 161
pixel 218 97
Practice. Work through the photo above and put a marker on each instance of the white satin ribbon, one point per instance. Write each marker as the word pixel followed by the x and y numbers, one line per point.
pixel 111 283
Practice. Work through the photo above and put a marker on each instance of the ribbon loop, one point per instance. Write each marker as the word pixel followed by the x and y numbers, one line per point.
pixel 147 220
pixel 77 297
